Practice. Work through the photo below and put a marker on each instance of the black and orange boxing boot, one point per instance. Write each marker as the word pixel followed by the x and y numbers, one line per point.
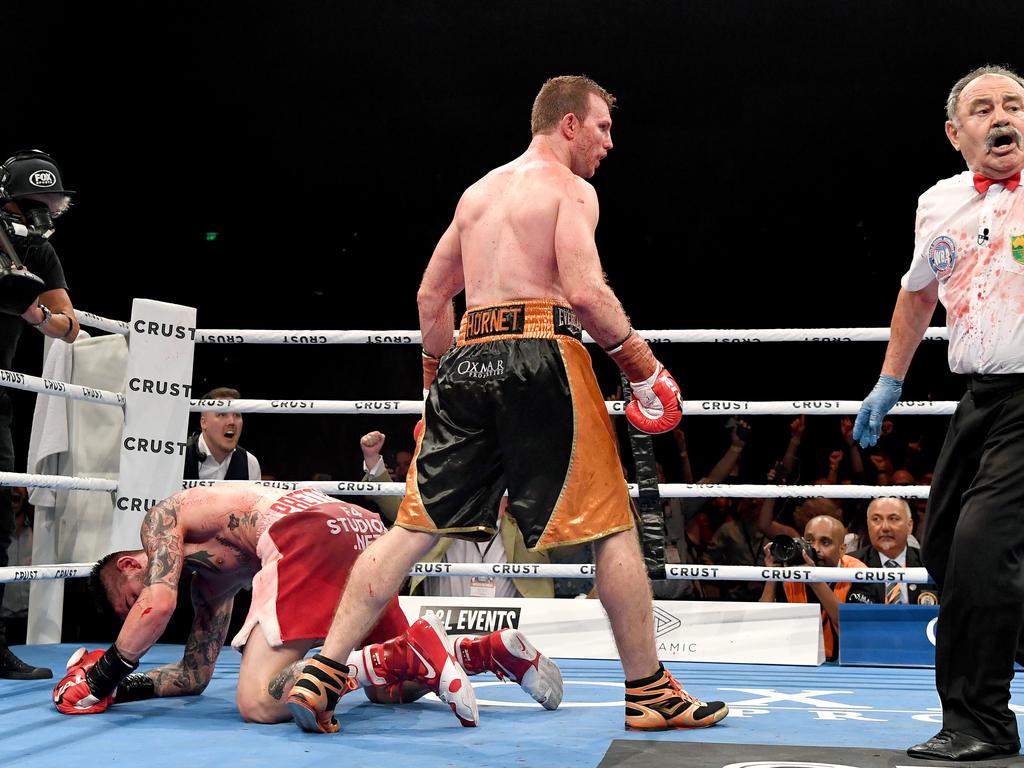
pixel 315 694
pixel 658 703
pixel 510 656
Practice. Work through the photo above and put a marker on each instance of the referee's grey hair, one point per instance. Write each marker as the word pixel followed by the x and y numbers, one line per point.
pixel 953 100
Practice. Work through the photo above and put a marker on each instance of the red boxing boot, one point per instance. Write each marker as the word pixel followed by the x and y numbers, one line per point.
pixel 509 655
pixel 424 655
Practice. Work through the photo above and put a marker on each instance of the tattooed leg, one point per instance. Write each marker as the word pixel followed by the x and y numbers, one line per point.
pixel 265 677
pixel 282 682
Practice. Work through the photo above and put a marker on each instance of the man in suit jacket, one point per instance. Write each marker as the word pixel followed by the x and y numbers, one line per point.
pixel 889 526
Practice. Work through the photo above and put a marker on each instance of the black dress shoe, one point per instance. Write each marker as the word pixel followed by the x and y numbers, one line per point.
pixel 13 668
pixel 950 745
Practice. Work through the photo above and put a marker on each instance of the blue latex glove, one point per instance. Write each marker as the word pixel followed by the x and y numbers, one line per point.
pixel 876 405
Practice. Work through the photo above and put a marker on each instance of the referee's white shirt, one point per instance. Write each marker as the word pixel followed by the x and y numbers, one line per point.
pixel 973 244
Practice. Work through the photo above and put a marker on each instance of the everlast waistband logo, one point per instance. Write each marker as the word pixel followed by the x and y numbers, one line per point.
pixel 496 321
pixel 566 322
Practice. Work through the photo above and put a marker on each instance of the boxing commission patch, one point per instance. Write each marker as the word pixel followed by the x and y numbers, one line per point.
pixel 942 257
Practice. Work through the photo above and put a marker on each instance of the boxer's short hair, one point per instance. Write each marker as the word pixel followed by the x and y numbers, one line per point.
pixel 561 95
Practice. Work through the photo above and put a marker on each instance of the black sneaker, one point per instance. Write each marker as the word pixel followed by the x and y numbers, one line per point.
pixel 13 668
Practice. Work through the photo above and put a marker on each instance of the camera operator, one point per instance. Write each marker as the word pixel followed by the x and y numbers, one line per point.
pixel 822 546
pixel 33 291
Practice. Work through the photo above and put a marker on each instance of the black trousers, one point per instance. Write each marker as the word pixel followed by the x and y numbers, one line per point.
pixel 6 510
pixel 974 548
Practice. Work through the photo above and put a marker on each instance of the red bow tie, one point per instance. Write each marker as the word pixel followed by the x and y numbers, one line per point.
pixel 982 183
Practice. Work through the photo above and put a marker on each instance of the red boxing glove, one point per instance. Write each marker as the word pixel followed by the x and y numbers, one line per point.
pixel 72 695
pixel 417 430
pixel 657 404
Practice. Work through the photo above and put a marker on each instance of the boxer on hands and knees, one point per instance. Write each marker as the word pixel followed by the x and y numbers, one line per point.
pixel 516 403
pixel 296 547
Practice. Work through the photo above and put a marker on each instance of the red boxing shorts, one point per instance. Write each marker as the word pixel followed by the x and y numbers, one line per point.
pixel 516 405
pixel 306 557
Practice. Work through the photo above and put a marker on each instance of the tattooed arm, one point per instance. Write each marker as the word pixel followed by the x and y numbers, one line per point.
pixel 163 540
pixel 191 675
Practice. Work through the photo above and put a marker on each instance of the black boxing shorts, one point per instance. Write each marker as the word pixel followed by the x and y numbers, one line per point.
pixel 516 405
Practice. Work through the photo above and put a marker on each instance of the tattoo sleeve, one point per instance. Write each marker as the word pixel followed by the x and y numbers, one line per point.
pixel 192 674
pixel 162 540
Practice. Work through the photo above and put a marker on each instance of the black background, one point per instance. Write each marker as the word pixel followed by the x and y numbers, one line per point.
pixel 767 164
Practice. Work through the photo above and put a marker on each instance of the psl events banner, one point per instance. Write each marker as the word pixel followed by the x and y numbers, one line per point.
pixel 156 411
pixel 754 633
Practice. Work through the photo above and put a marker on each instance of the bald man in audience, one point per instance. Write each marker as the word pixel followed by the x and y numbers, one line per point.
pixel 824 535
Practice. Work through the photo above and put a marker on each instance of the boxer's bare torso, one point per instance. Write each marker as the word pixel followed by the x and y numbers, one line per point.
pixel 526 231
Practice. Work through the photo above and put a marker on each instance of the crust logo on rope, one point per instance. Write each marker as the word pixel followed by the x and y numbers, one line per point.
pixel 941 256
pixel 496 321
pixel 1017 248
pixel 473 621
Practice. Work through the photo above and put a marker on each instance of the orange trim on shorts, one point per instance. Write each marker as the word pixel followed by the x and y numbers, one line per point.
pixel 518 319
pixel 412 514
pixel 594 501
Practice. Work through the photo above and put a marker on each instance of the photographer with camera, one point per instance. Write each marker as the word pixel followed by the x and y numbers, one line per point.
pixel 33 291
pixel 822 545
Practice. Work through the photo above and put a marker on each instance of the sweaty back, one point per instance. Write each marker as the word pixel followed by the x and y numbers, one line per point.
pixel 506 225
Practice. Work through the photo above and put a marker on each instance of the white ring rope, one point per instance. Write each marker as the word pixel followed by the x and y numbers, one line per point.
pixel 59 388
pixel 357 488
pixel 61 482
pixel 572 571
pixel 90 320
pixel 677 336
pixel 671 490
pixel 666 490
pixel 615 407
pixel 14 573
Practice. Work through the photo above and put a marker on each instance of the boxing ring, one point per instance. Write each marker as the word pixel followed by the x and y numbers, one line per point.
pixel 794 713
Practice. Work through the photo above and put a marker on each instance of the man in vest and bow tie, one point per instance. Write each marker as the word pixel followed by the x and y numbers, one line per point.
pixel 214 453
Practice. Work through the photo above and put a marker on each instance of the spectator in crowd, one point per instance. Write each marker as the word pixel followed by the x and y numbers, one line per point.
pixel 14 609
pixel 45 305
pixel 738 542
pixel 679 514
pixel 889 527
pixel 690 523
pixel 403 460
pixel 376 471
pixel 825 534
pixel 214 453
